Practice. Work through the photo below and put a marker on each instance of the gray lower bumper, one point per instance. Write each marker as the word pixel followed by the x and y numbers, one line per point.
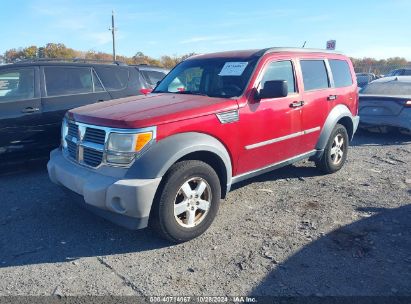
pixel 126 202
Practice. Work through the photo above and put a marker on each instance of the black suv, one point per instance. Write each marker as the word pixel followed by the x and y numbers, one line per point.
pixel 35 95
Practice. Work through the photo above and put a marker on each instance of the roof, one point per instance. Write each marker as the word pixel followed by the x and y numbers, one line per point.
pixel 149 67
pixel 64 62
pixel 259 52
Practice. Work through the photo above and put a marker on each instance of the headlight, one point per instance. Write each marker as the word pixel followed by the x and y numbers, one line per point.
pixel 123 147
pixel 64 131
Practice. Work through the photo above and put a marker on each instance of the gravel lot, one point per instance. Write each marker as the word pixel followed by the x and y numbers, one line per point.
pixel 289 232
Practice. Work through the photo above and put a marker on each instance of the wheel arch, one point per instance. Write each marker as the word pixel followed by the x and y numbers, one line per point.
pixel 340 114
pixel 159 158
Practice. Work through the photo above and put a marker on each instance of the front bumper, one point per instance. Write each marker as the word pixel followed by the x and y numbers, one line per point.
pixel 126 202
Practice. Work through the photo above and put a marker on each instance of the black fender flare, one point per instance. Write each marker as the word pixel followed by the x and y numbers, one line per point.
pixel 336 114
pixel 156 161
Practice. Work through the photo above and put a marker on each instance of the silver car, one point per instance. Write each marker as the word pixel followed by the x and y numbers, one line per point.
pixel 387 102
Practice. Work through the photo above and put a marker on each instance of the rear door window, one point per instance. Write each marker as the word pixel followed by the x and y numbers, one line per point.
pixel 152 77
pixel 341 73
pixel 315 75
pixel 113 78
pixel 16 84
pixel 280 70
pixel 62 81
pixel 98 87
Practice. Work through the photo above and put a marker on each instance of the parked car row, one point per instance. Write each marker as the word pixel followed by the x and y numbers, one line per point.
pixel 166 159
pixel 35 95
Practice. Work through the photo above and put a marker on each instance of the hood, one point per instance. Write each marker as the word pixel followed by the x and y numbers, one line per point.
pixel 151 110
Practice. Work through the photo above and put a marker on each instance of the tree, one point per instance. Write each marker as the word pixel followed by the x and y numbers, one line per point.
pixel 140 58
pixel 59 50
pixel 30 52
pixel 378 67
pixel 13 55
pixel 98 55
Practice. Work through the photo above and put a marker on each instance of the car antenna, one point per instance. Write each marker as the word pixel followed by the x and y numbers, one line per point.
pixel 304 44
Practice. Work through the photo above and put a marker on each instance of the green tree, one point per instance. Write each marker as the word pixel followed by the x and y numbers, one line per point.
pixel 59 50
pixel 30 52
pixel 140 58
pixel 13 55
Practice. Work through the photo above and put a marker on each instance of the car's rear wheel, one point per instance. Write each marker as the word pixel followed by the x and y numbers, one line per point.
pixel 187 202
pixel 335 152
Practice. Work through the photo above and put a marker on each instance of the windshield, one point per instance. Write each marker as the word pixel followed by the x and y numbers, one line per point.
pixel 393 88
pixel 215 77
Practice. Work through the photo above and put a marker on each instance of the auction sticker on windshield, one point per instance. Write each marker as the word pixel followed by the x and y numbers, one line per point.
pixel 233 69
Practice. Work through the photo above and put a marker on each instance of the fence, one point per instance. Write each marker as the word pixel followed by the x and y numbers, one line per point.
pixel 379 69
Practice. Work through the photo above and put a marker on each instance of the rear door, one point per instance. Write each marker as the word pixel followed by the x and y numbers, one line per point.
pixel 317 96
pixel 20 110
pixel 65 88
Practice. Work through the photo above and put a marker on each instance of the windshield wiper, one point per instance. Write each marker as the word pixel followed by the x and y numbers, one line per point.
pixel 160 92
pixel 191 93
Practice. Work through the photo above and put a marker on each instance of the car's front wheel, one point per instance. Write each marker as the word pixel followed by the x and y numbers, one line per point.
pixel 188 201
pixel 335 152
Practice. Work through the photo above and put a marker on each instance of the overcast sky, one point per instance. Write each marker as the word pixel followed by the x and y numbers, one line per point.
pixel 376 28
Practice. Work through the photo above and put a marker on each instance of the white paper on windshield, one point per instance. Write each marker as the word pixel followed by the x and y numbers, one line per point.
pixel 233 69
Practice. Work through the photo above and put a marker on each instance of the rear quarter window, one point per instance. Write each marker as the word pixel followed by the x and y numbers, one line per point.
pixel 113 78
pixel 315 75
pixel 341 73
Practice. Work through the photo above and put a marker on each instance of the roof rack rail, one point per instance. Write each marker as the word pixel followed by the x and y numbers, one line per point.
pixel 79 60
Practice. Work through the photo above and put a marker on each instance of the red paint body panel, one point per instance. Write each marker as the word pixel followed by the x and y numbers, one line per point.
pixel 259 121
pixel 156 109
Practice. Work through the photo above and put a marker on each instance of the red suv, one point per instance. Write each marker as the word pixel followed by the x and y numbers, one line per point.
pixel 166 159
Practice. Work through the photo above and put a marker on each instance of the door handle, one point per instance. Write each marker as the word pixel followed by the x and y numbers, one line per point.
pixel 297 104
pixel 30 110
pixel 100 100
pixel 332 97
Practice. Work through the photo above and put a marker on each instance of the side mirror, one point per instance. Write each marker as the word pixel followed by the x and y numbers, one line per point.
pixel 145 91
pixel 273 89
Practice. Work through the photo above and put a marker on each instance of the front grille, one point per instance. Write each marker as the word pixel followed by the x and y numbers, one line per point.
pixel 85 144
pixel 92 157
pixel 97 136
pixel 72 149
pixel 72 130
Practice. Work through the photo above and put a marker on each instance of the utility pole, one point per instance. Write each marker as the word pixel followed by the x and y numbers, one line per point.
pixel 113 33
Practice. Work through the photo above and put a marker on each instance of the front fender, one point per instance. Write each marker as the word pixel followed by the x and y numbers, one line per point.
pixel 156 161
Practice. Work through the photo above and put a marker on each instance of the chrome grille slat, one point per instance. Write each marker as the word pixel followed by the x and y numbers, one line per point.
pixel 72 149
pixel 92 157
pixel 93 135
pixel 92 144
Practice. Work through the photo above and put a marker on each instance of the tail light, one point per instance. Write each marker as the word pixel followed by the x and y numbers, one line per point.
pixel 146 91
pixel 407 104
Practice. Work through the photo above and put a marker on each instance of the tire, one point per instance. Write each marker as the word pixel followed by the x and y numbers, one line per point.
pixel 181 213
pixel 335 152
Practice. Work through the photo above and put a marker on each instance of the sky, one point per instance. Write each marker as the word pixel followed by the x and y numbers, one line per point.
pixel 366 28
